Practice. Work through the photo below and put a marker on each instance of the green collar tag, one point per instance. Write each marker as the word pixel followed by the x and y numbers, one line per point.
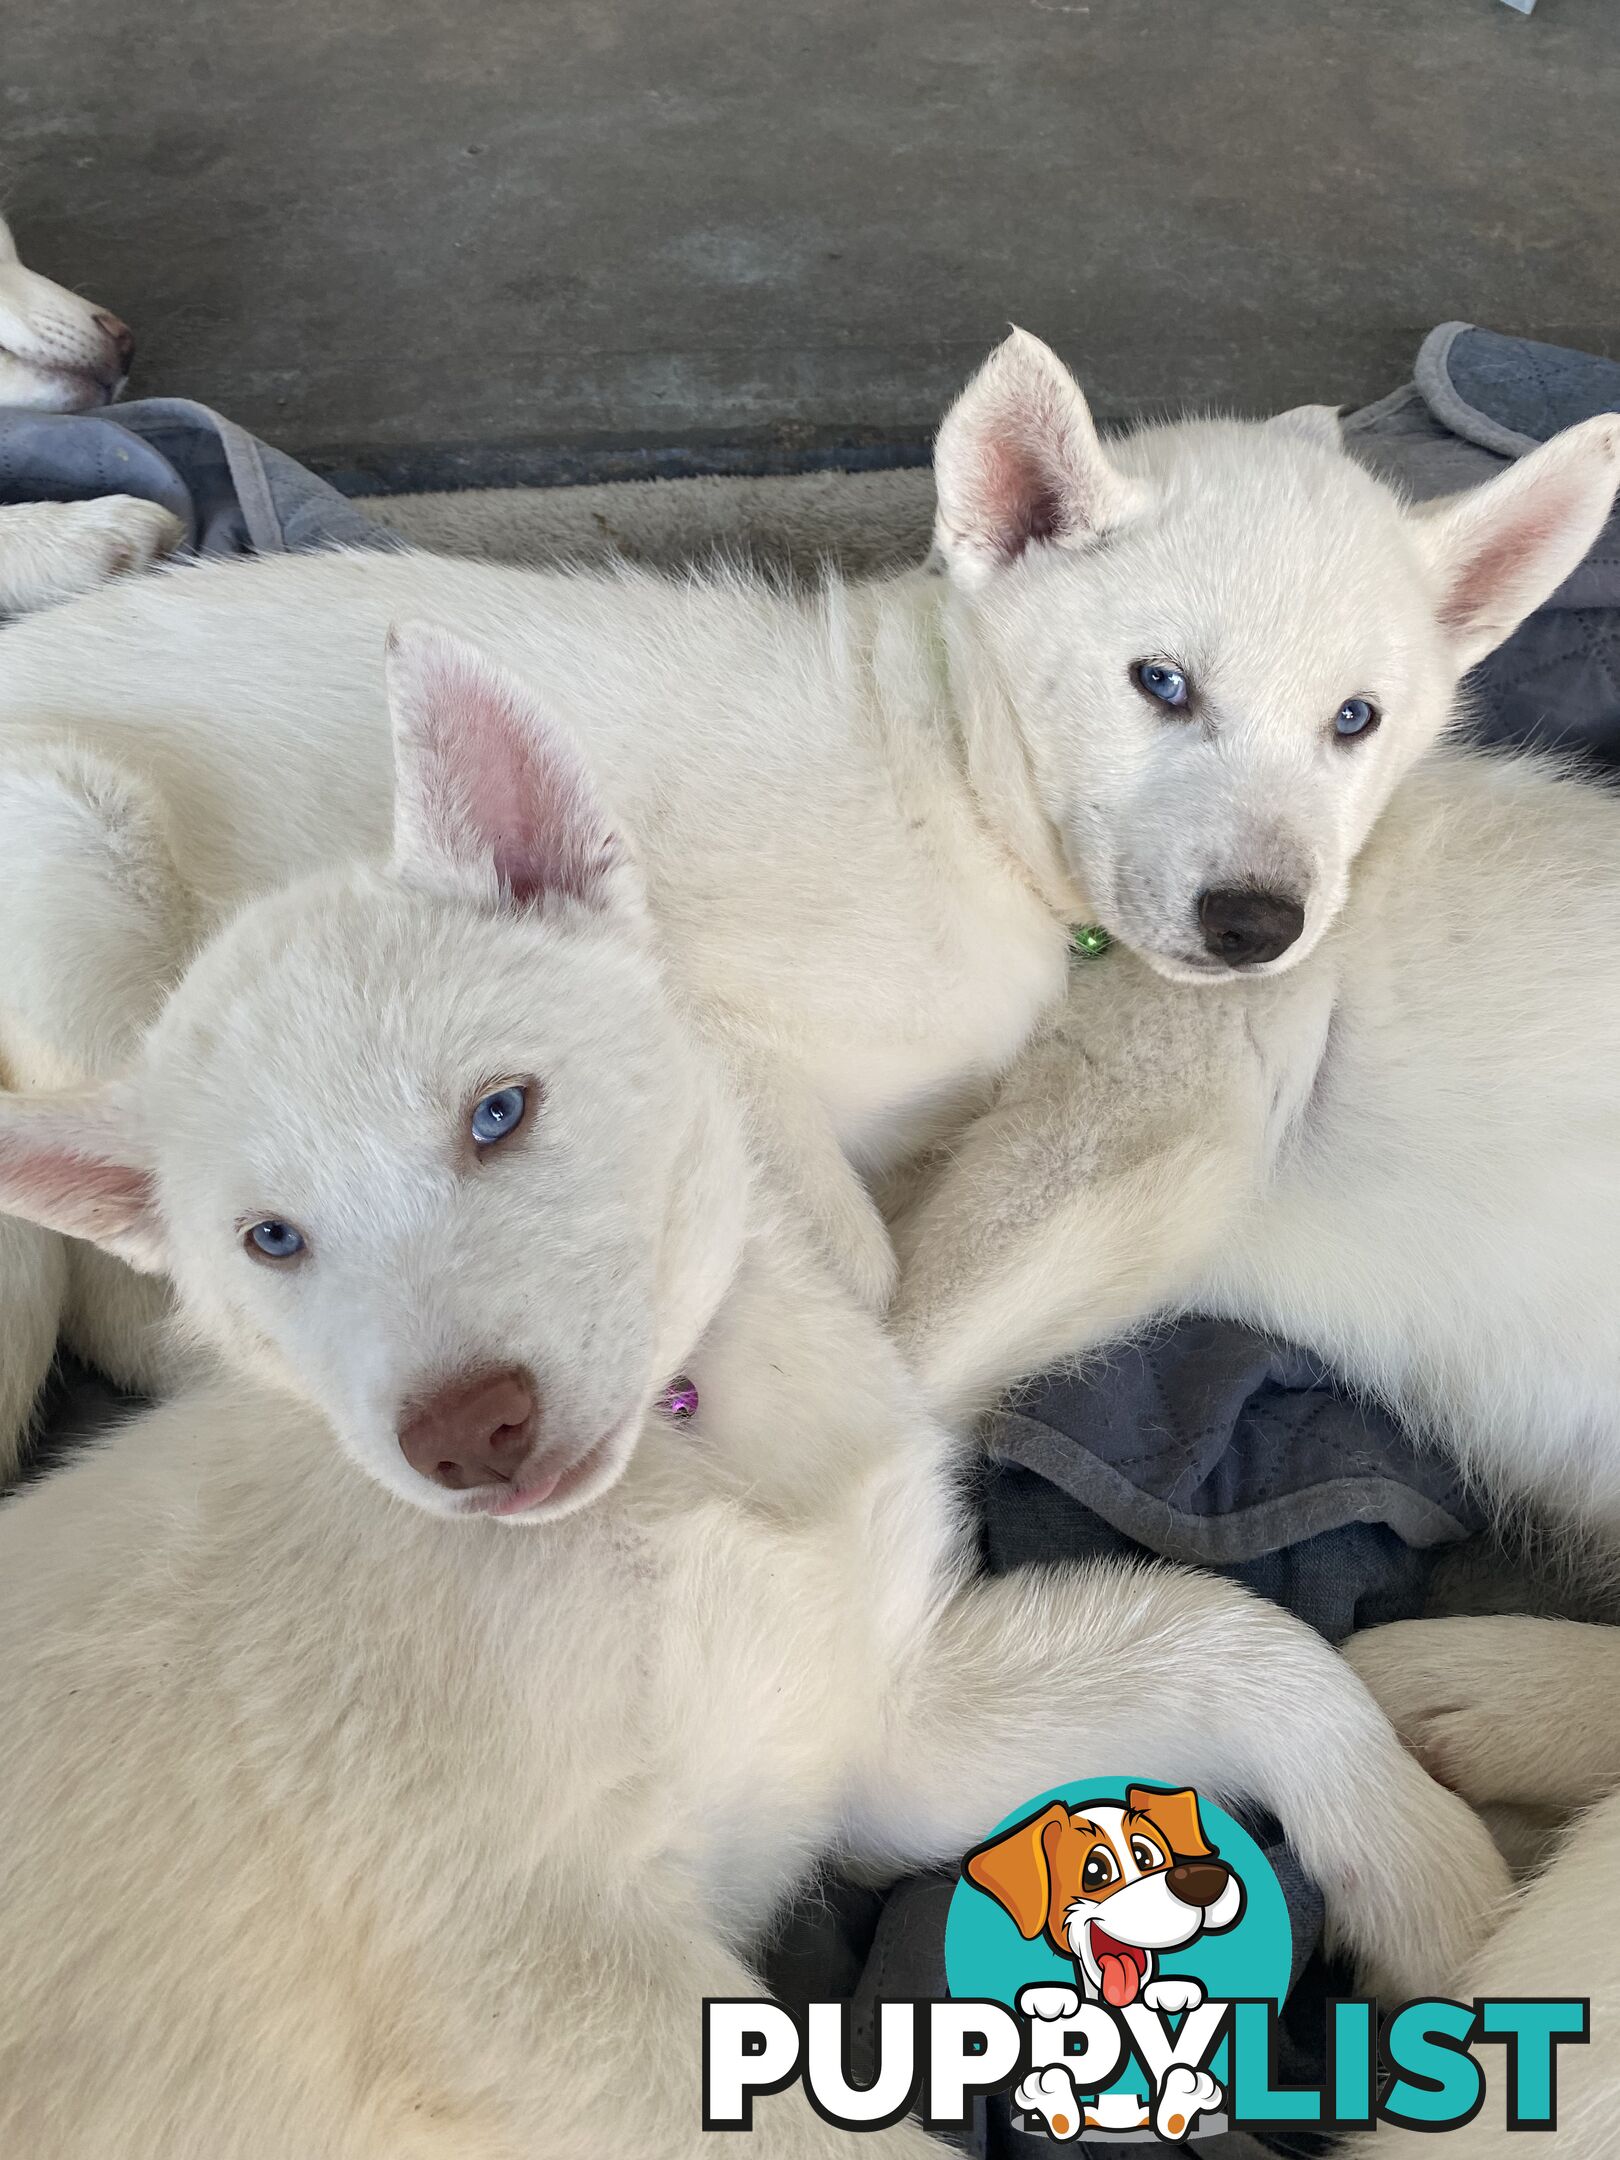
pixel 1089 941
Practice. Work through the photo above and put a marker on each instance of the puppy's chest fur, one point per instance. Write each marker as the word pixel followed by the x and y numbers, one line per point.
pixel 674 1720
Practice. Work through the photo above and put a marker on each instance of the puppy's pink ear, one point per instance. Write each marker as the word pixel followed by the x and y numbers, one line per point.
pixel 1018 462
pixel 492 799
pixel 1503 548
pixel 70 1162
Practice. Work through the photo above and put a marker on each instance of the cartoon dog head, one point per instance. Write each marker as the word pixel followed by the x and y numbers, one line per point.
pixel 1110 1886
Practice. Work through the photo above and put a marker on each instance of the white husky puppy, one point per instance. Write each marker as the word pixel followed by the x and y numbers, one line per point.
pixel 59 353
pixel 1527 1712
pixel 408 1815
pixel 1148 691
pixel 1406 1153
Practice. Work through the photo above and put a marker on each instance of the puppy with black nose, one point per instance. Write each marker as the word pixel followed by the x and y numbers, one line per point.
pixel 1245 926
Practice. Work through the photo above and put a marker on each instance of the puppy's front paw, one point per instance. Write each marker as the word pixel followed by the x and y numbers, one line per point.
pixel 1049 2003
pixel 1172 1995
pixel 1470 1698
pixel 1050 2094
pixel 51 551
pixel 1184 2096
pixel 114 536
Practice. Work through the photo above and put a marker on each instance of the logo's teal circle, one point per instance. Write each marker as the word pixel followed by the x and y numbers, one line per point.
pixel 986 1956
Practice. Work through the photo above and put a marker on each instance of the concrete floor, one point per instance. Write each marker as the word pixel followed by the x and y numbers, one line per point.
pixel 531 234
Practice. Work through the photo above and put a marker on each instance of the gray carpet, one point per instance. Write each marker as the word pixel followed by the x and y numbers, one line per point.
pixel 565 238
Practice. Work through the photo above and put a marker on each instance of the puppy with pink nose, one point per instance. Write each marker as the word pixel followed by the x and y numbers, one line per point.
pixel 476 1433
pixel 440 1235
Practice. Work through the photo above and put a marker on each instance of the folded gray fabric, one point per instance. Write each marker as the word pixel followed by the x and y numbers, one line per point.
pixel 233 493
pixel 1163 1415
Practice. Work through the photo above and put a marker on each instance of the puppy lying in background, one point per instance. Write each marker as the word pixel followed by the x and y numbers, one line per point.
pixel 396 1787
pixel 62 354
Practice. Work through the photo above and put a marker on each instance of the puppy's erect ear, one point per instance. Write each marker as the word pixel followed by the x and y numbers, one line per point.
pixel 491 797
pixel 70 1162
pixel 1018 462
pixel 1016 1869
pixel 1176 1814
pixel 1502 548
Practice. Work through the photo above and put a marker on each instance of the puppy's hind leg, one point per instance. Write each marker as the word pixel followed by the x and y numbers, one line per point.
pixel 1048 1676
pixel 95 924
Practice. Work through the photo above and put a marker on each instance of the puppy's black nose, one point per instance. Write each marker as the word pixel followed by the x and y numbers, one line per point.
pixel 1245 926
pixel 1197 1882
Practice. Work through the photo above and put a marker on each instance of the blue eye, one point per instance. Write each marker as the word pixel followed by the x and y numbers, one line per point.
pixel 498 1114
pixel 276 1240
pixel 1356 716
pixel 1161 681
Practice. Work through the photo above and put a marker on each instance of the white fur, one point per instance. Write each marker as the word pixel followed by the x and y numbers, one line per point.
pixel 344 1828
pixel 866 816
pixel 1524 1711
pixel 1406 1153
pixel 50 551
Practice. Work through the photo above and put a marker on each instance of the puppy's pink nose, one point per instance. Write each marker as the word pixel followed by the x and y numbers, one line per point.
pixel 121 338
pixel 476 1429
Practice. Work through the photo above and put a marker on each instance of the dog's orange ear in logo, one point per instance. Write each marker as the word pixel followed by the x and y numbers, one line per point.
pixel 1016 1869
pixel 1176 1814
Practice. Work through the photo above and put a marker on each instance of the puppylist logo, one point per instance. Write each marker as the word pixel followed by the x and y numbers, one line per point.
pixel 1117 1956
